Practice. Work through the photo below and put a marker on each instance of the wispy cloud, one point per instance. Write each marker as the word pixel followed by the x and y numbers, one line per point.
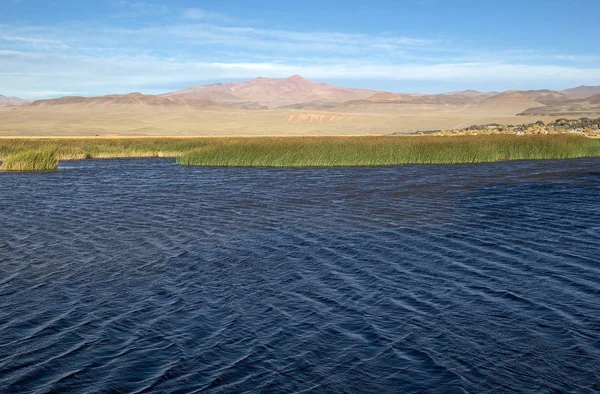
pixel 33 42
pixel 276 41
pixel 93 75
pixel 191 46
pixel 131 8
pixel 203 15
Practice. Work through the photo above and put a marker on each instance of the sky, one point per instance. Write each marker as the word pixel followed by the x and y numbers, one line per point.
pixel 52 48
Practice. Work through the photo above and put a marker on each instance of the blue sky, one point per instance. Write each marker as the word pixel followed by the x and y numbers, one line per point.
pixel 53 48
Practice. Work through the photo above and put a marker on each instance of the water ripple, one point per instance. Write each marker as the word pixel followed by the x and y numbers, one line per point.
pixel 142 276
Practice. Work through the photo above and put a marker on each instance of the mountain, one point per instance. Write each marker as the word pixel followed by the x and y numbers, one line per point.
pixel 582 91
pixel 136 99
pixel 385 102
pixel 298 93
pixel 588 106
pixel 471 93
pixel 507 103
pixel 543 96
pixel 273 92
pixel 11 101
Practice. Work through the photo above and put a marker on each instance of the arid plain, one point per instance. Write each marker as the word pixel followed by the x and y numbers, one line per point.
pixel 291 106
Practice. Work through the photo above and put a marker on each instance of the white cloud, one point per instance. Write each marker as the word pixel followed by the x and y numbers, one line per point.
pixel 203 15
pixel 27 74
pixel 276 41
pixel 79 59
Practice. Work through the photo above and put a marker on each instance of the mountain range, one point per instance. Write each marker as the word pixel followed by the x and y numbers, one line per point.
pixel 274 93
pixel 297 92
pixel 128 99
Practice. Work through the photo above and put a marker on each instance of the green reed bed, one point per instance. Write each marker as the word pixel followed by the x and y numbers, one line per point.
pixel 31 160
pixel 302 151
pixel 372 151
pixel 101 148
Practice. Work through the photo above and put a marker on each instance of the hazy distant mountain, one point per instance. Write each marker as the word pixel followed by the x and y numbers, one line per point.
pixel 471 93
pixel 273 92
pixel 543 96
pixel 10 101
pixel 505 103
pixel 298 93
pixel 127 99
pixel 386 100
pixel 582 91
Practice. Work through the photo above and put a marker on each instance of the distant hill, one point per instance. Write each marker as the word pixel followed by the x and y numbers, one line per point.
pixel 11 101
pixel 506 103
pixel 273 92
pixel 582 91
pixel 387 99
pixel 471 93
pixel 137 99
pixel 543 96
pixel 588 106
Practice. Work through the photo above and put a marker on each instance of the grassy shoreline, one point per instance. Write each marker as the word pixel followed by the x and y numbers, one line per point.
pixel 312 151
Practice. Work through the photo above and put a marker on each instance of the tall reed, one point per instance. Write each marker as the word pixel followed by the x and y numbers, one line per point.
pixel 313 151
pixel 31 160
pixel 371 151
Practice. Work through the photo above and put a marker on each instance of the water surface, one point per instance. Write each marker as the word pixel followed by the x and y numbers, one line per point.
pixel 143 276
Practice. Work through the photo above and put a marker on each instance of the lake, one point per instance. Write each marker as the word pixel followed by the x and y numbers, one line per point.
pixel 138 275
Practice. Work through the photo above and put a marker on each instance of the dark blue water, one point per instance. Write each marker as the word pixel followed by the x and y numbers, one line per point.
pixel 142 276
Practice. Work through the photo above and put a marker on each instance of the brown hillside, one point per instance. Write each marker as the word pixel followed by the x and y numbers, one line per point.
pixel 589 106
pixel 11 101
pixel 274 92
pixel 127 99
pixel 582 91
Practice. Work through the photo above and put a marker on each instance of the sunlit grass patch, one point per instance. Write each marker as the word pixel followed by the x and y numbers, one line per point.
pixel 31 160
pixel 309 151
pixel 373 151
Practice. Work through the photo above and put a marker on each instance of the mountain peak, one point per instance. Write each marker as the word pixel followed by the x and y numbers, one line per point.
pixel 274 92
pixel 297 77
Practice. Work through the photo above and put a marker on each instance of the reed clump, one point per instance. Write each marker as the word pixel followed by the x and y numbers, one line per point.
pixel 101 148
pixel 374 151
pixel 31 160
